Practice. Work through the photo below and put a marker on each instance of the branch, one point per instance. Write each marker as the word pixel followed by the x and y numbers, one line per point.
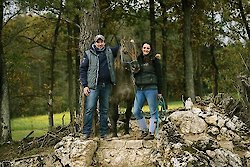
pixel 31 39
pixel 15 14
pixel 244 62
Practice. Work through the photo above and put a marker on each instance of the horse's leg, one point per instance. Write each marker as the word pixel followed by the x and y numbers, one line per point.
pixel 128 116
pixel 114 117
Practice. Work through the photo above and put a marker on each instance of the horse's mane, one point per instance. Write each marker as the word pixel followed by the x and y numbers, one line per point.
pixel 127 53
pixel 118 61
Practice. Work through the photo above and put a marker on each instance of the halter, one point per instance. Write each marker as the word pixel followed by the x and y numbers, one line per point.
pixel 128 51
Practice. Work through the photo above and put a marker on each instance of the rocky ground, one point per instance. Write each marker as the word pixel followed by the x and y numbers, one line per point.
pixel 13 150
pixel 209 134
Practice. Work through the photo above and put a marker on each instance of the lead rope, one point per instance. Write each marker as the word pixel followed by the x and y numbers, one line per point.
pixel 132 78
pixel 162 104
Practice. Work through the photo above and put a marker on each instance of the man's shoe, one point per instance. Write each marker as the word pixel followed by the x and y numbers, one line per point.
pixel 85 136
pixel 143 134
pixel 104 137
pixel 149 137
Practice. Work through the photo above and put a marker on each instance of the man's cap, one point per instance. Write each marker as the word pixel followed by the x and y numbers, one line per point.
pixel 99 37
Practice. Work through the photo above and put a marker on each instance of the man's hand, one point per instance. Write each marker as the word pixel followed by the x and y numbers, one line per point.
pixel 86 91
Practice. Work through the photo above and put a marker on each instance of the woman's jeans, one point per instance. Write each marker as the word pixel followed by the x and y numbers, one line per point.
pixel 149 95
pixel 102 92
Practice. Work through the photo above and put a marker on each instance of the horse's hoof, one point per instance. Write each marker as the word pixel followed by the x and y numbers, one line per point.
pixel 115 138
pixel 127 135
pixel 114 135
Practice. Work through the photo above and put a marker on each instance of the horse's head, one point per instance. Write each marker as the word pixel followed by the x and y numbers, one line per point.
pixel 128 54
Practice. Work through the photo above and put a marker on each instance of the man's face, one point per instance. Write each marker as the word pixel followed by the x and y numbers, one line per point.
pixel 99 43
pixel 146 49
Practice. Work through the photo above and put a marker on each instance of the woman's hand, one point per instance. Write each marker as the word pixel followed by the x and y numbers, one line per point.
pixel 158 56
pixel 159 96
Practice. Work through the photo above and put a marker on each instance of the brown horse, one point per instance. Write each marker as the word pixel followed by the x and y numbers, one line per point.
pixel 123 91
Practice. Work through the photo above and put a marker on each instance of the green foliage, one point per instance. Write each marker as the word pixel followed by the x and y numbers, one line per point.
pixel 28 66
pixel 27 40
pixel 231 66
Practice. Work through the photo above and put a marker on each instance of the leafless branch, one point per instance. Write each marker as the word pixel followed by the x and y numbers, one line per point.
pixel 244 62
pixel 37 43
pixel 15 14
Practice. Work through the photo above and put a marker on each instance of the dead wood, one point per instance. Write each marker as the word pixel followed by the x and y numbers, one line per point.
pixel 49 139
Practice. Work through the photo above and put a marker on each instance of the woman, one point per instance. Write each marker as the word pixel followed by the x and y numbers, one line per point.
pixel 148 88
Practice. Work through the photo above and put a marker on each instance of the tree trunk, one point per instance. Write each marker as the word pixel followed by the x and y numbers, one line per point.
pixel 152 23
pixel 198 74
pixel 5 113
pixel 89 27
pixel 164 50
pixel 5 130
pixel 245 23
pixel 215 71
pixel 52 66
pixel 77 60
pixel 243 16
pixel 70 73
pixel 245 92
pixel 188 57
pixel 214 64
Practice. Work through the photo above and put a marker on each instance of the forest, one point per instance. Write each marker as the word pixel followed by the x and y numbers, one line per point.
pixel 204 47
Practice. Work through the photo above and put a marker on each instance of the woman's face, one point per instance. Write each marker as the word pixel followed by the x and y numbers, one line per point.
pixel 146 49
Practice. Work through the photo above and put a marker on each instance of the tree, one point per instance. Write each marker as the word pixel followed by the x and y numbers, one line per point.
pixel 5 130
pixel 243 16
pixel 89 27
pixel 212 53
pixel 52 65
pixel 152 23
pixel 164 47
pixel 188 57
pixel 70 72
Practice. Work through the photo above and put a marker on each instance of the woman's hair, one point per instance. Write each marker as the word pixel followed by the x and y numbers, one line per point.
pixel 146 42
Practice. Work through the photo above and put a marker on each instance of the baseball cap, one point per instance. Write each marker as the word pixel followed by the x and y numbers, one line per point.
pixel 99 37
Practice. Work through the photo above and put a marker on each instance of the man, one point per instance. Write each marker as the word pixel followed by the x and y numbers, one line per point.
pixel 97 76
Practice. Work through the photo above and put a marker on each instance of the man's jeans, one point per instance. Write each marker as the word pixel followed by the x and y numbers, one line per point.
pixel 141 97
pixel 102 92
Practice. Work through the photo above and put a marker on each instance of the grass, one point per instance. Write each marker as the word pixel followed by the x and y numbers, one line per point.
pixel 174 105
pixel 21 127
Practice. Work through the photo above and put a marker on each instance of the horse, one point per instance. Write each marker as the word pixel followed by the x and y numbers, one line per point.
pixel 124 89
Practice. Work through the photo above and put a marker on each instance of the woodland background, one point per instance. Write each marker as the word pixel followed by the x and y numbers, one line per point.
pixel 204 46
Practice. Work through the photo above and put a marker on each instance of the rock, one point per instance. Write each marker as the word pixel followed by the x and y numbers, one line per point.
pixel 75 151
pixel 188 122
pixel 204 137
